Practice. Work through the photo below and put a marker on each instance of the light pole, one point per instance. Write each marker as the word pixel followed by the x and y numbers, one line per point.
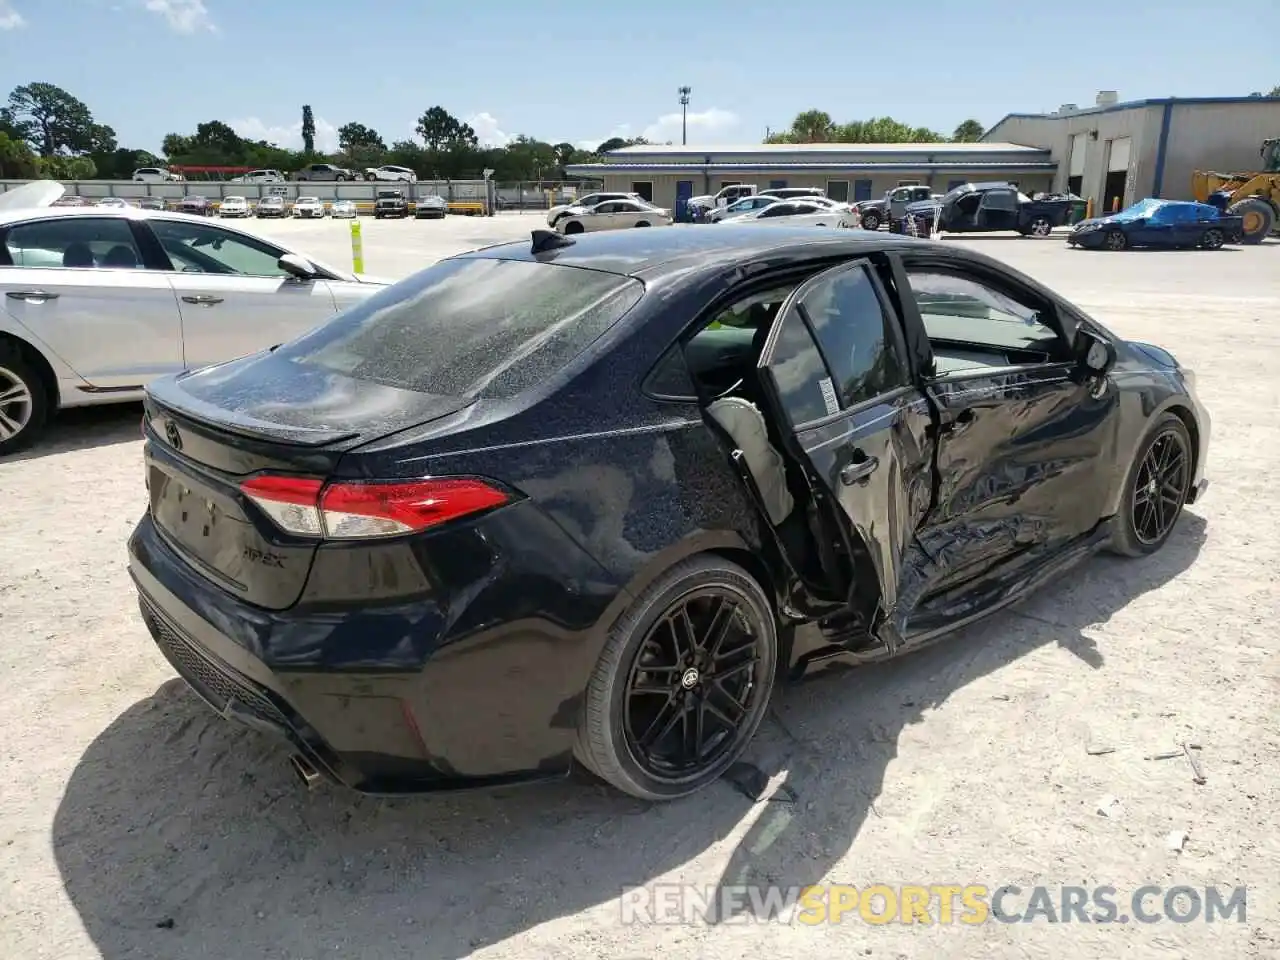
pixel 684 114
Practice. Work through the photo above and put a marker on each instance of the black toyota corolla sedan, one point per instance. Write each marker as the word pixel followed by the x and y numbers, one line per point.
pixel 567 500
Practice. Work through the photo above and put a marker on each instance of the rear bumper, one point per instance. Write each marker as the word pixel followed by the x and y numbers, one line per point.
pixel 464 691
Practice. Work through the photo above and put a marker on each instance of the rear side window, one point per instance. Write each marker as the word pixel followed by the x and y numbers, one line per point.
pixel 850 322
pixel 799 374
pixel 491 328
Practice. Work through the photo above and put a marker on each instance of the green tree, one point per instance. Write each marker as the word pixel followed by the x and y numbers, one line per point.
pixel 62 167
pixel 438 128
pixel 355 136
pixel 1274 92
pixel 970 131
pixel 17 162
pixel 308 130
pixel 120 163
pixel 816 126
pixel 53 121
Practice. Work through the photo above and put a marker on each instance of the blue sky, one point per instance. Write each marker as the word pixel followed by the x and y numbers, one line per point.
pixel 583 72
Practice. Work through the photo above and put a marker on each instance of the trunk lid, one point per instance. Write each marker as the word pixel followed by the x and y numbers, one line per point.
pixel 208 431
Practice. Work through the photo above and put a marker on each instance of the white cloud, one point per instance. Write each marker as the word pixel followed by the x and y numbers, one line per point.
pixel 10 19
pixel 704 126
pixel 288 136
pixel 487 131
pixel 183 16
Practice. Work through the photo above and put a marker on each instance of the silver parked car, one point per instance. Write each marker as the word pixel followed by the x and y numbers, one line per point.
pixel 433 206
pixel 97 302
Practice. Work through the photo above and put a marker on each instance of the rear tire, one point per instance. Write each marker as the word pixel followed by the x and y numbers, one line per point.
pixel 24 401
pixel 1259 218
pixel 870 221
pixel 1129 538
pixel 652 680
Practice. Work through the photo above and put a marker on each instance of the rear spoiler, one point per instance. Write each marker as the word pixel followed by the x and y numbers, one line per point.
pixel 168 395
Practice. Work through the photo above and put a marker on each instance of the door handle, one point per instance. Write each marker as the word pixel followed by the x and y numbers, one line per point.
pixel 31 296
pixel 859 471
pixel 202 299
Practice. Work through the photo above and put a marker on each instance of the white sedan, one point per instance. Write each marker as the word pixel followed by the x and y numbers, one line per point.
pixel 613 215
pixel 308 207
pixel 233 207
pixel 97 302
pixel 343 209
pixel 561 210
pixel 740 207
pixel 796 213
pixel 392 173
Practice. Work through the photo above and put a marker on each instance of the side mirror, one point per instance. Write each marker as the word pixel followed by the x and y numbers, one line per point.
pixel 300 268
pixel 1095 355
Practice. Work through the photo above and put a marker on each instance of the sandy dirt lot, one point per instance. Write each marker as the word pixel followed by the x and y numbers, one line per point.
pixel 135 824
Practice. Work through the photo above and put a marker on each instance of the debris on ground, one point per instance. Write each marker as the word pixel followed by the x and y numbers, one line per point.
pixel 1109 806
pixel 1197 773
pixel 1176 840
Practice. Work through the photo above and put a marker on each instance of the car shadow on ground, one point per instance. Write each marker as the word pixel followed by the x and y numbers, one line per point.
pixel 83 428
pixel 180 835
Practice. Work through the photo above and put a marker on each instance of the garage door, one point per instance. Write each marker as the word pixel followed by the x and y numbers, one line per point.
pixel 1119 155
pixel 1079 143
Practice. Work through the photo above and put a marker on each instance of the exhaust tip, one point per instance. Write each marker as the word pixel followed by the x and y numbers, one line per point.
pixel 308 774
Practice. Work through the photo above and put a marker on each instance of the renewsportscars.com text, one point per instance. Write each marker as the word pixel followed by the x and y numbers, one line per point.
pixel 926 904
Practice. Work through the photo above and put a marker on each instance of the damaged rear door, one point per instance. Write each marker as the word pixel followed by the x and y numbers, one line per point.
pixel 835 370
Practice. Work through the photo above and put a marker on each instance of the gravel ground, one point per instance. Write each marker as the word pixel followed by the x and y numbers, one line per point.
pixel 135 824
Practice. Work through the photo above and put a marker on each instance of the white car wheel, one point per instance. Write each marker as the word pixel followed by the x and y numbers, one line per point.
pixel 23 402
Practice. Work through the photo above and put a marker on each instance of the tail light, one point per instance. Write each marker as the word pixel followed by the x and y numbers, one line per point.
pixel 367 509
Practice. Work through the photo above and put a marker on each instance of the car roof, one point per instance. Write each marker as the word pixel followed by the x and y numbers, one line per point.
pixel 654 253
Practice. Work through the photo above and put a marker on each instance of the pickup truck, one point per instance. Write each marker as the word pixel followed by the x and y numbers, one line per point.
pixel 873 213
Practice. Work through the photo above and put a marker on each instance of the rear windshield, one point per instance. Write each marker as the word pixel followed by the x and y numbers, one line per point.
pixel 490 328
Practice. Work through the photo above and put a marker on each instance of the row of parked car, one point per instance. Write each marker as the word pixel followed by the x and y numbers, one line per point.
pixel 983 208
pixel 321 172
pixel 611 211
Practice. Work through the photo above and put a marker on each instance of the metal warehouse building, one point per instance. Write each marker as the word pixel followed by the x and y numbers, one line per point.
pixel 1118 153
pixel 846 171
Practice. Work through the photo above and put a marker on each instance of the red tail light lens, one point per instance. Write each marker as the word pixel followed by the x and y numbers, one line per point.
pixel 376 508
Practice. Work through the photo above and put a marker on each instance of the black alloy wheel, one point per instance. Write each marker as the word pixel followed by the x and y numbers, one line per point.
pixel 1157 488
pixel 682 683
pixel 1115 240
pixel 1040 227
pixel 1213 239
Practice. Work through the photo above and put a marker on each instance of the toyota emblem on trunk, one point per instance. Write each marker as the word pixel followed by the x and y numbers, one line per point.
pixel 171 433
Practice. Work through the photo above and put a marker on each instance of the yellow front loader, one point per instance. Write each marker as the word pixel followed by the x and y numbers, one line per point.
pixel 1253 196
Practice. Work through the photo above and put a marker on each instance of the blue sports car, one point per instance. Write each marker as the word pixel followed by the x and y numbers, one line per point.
pixel 1159 223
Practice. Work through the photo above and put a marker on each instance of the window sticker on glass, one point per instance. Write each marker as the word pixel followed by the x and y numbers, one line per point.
pixel 829 395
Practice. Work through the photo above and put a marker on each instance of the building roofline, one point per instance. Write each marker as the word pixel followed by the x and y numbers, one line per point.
pixel 711 169
pixel 1130 105
pixel 946 146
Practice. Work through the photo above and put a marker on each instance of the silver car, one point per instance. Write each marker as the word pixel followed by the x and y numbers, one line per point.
pixel 433 206
pixel 97 302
